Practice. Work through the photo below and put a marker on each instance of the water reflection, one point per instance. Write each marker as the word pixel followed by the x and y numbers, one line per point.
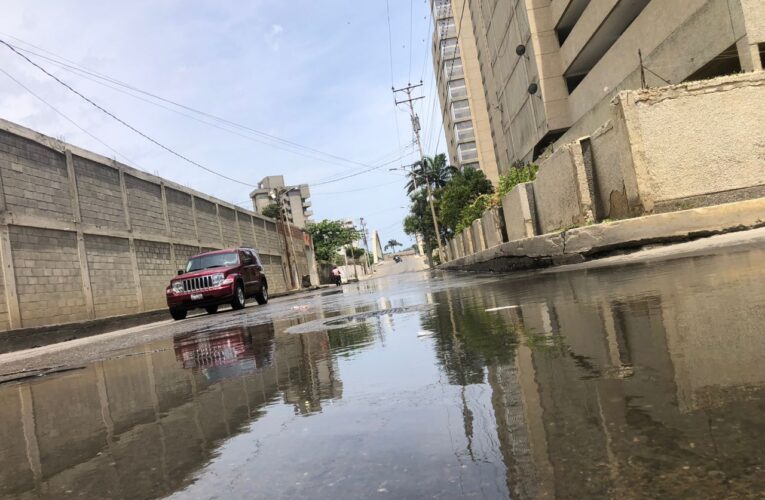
pixel 648 382
pixel 139 426
pixel 641 381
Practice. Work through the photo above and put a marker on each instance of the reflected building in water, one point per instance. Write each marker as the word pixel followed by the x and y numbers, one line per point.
pixel 644 382
pixel 140 425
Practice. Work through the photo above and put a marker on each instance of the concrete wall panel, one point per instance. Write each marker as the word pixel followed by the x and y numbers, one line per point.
pixel 180 214
pixel 100 194
pixel 35 179
pixel 693 141
pixel 556 192
pixel 245 229
pixel 111 276
pixel 145 205
pixel 207 222
pixel 520 212
pixel 48 277
pixel 228 226
pixel 492 227
pixel 156 269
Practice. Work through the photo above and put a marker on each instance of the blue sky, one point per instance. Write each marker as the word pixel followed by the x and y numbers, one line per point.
pixel 315 73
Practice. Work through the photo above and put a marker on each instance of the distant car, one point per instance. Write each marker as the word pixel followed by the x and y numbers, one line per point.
pixel 397 258
pixel 212 279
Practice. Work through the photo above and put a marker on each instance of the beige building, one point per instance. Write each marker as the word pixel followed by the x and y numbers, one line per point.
pixel 295 199
pixel 551 67
pixel 460 89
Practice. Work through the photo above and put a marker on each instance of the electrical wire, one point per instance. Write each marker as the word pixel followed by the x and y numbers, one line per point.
pixel 71 66
pixel 123 122
pixel 390 57
pixel 70 120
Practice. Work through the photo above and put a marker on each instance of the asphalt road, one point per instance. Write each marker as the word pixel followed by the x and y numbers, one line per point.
pixel 642 378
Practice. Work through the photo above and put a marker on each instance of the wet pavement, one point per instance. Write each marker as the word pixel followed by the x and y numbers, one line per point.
pixel 640 381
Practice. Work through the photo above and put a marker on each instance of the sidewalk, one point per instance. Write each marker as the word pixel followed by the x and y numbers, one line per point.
pixel 28 338
pixel 609 238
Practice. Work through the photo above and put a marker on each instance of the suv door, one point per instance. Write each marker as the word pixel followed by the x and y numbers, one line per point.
pixel 248 272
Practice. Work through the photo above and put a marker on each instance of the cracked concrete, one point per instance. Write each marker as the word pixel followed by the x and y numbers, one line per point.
pixel 582 244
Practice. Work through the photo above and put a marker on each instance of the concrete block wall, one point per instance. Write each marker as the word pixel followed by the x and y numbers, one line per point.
pixel 519 212
pixel 48 276
pixel 492 228
pixel 662 149
pixel 84 237
pixel 112 276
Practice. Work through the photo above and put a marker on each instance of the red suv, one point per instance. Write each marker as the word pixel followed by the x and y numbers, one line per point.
pixel 215 278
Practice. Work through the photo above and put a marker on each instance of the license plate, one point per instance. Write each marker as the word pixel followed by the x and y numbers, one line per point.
pixel 197 296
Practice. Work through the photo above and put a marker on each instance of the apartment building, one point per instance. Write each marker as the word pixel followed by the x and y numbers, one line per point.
pixel 294 199
pixel 460 89
pixel 550 68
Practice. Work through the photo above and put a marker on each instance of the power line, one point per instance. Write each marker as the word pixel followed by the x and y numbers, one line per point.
pixel 411 33
pixel 70 120
pixel 124 123
pixel 390 58
pixel 80 69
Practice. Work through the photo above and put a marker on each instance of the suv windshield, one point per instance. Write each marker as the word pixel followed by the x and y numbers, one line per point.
pixel 212 260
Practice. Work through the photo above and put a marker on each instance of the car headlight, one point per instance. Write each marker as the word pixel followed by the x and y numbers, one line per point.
pixel 178 287
pixel 217 279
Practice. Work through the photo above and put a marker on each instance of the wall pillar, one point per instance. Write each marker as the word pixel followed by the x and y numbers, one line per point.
pixel 131 242
pixel 87 290
pixel 9 276
pixel 220 226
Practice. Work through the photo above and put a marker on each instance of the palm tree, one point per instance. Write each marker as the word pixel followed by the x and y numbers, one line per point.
pixel 393 244
pixel 433 170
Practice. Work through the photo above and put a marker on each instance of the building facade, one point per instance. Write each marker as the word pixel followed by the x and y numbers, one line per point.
pixel 460 89
pixel 294 199
pixel 550 68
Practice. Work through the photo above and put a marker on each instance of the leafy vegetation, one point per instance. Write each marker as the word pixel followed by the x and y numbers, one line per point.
pixel 392 244
pixel 434 171
pixel 517 174
pixel 459 194
pixel 329 236
pixel 271 210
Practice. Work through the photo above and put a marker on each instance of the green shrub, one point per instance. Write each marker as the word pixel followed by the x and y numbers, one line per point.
pixel 517 175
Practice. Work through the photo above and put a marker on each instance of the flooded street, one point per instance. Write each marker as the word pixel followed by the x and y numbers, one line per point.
pixel 640 381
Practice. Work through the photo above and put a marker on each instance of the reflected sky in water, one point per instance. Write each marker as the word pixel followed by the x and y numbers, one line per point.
pixel 632 382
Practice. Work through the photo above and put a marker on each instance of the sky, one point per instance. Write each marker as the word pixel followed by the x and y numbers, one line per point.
pixel 316 74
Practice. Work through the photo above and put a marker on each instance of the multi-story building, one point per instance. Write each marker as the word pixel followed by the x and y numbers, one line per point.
pixel 294 199
pixel 550 68
pixel 460 89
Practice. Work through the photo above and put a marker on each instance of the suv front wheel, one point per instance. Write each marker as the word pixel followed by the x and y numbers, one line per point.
pixel 239 298
pixel 178 314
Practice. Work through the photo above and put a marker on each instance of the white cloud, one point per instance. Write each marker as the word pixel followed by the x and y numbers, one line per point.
pixel 272 37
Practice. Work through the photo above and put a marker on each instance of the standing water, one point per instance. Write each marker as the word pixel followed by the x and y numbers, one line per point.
pixel 642 381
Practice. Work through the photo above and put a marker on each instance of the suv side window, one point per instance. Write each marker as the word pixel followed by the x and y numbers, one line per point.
pixel 245 258
pixel 256 256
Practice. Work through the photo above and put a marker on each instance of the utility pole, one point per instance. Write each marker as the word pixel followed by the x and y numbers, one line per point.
pixel 363 225
pixel 277 195
pixel 416 127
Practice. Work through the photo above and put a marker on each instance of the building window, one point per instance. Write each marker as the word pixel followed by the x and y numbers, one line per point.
pixel 460 110
pixel 442 8
pixel 449 48
pixel 457 89
pixel 473 165
pixel 467 152
pixel 446 28
pixel 453 69
pixel 464 132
